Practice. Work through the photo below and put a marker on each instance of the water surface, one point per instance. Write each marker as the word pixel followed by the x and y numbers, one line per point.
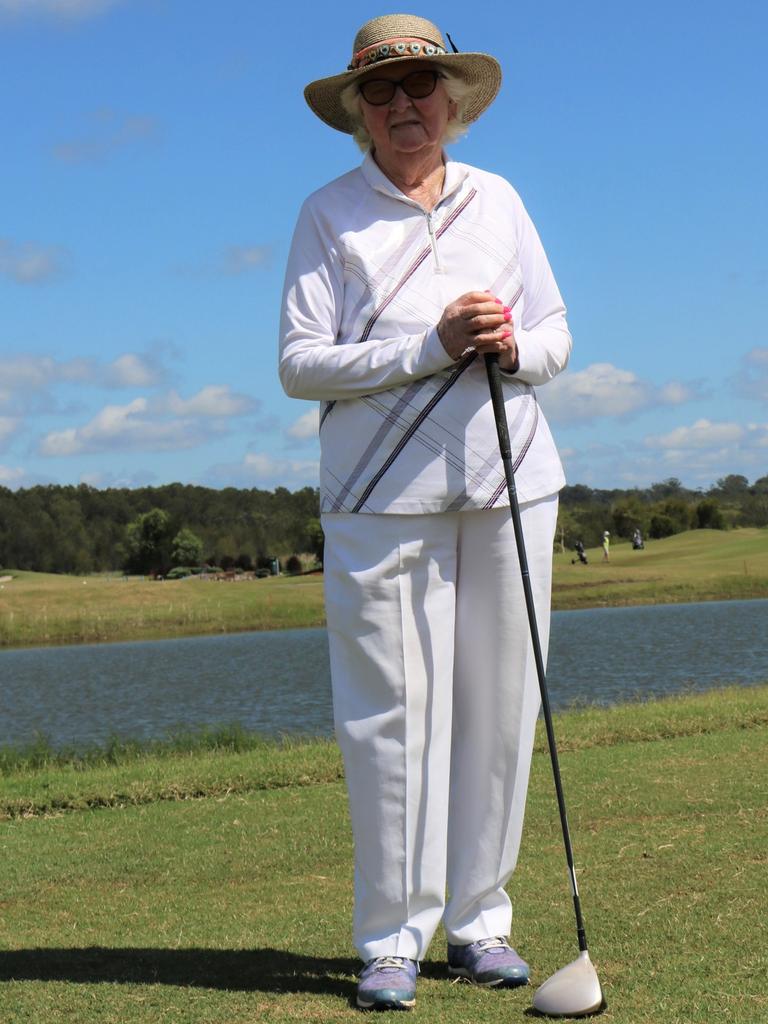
pixel 279 682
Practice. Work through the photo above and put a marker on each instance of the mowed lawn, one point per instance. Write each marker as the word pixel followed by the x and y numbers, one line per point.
pixel 42 608
pixel 221 891
pixel 700 565
pixel 36 608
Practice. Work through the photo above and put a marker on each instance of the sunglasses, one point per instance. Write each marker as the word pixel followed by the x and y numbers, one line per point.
pixel 417 85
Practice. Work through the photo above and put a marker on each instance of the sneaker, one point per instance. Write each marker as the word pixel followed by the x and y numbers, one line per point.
pixel 490 962
pixel 387 983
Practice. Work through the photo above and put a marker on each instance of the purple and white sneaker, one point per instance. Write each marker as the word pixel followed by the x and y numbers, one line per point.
pixel 387 983
pixel 490 962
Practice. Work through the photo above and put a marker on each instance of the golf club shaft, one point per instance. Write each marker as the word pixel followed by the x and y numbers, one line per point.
pixel 505 449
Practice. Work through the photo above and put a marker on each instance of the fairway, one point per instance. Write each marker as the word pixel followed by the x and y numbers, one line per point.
pixel 38 608
pixel 700 565
pixel 228 897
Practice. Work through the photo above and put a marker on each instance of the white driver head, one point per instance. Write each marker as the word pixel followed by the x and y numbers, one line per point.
pixel 573 991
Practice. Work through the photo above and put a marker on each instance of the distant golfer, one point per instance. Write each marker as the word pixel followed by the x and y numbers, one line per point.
pixel 402 273
pixel 606 546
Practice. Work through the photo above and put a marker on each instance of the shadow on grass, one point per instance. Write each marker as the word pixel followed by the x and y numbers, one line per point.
pixel 247 970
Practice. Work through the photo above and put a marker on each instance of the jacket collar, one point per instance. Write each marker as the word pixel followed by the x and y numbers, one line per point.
pixel 455 175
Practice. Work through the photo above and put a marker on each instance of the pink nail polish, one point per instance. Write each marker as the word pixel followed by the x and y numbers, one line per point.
pixel 506 334
pixel 507 316
pixel 507 309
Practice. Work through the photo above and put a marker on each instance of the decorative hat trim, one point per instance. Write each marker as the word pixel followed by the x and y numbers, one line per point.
pixel 397 47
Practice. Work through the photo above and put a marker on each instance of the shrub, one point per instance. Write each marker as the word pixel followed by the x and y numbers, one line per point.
pixel 662 526
pixel 179 572
pixel 709 515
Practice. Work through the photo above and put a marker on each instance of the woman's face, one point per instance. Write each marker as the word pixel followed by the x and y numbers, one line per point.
pixel 405 125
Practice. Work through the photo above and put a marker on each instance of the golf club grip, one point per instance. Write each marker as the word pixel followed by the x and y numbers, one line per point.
pixel 505 449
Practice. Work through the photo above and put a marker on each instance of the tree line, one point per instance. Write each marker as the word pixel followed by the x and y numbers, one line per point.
pixel 81 529
pixel 660 510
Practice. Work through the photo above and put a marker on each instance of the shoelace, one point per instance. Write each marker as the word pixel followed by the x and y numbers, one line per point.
pixel 494 943
pixel 381 963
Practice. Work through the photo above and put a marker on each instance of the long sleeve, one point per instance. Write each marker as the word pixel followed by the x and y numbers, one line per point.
pixel 315 362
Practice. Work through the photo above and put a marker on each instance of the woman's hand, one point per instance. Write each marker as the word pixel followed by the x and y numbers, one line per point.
pixel 478 321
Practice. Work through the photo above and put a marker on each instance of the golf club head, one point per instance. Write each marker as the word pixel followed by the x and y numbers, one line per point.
pixel 573 991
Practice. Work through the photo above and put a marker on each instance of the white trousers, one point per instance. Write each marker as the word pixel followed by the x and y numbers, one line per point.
pixel 435 701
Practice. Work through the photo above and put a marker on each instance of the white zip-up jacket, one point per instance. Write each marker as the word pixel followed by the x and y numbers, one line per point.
pixel 403 427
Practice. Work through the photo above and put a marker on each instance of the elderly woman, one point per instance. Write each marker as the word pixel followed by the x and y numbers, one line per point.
pixel 403 273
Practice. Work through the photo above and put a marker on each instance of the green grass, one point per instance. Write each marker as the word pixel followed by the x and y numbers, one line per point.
pixel 701 565
pixel 221 891
pixel 36 608
pixel 42 608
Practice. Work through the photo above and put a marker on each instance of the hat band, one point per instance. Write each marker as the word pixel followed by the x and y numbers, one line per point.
pixel 401 46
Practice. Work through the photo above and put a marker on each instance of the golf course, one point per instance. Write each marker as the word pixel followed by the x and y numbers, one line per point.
pixel 211 881
pixel 40 608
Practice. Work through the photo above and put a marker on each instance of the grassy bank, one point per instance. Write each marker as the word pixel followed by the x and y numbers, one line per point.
pixel 40 608
pixel 700 565
pixel 36 608
pixel 210 886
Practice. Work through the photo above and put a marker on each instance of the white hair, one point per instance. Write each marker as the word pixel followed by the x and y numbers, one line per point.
pixel 456 88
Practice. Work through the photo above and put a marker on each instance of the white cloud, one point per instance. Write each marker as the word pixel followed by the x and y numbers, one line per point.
pixel 698 454
pixel 123 428
pixel 603 389
pixel 279 471
pixel 702 434
pixel 8 426
pixel 157 424
pixel 132 370
pixel 68 9
pixel 26 373
pixel 31 263
pixel 263 469
pixel 10 475
pixel 241 259
pixel 675 393
pixel 707 449
pixel 751 381
pixel 24 377
pixel 213 400
pixel 306 426
pixel 106 132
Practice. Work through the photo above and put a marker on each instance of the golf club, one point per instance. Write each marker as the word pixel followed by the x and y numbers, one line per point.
pixel 574 990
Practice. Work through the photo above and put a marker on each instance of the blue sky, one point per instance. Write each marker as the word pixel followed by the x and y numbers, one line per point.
pixel 153 157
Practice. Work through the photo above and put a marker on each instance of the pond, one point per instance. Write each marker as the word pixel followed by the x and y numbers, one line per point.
pixel 278 682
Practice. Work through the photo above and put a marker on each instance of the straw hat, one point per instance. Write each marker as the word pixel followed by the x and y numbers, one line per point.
pixel 397 37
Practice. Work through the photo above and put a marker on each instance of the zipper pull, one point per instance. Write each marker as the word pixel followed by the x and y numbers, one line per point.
pixel 433 243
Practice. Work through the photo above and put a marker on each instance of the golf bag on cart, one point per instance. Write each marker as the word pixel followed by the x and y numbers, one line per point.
pixel 581 554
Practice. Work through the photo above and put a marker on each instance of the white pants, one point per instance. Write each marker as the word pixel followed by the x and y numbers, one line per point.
pixel 435 700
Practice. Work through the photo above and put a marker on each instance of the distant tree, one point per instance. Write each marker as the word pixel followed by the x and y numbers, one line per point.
pixel 732 486
pixel 671 516
pixel 577 494
pixel 315 538
pixel 186 548
pixel 671 487
pixel 146 541
pixel 661 526
pixel 293 564
pixel 629 515
pixel 709 515
pixel 244 561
